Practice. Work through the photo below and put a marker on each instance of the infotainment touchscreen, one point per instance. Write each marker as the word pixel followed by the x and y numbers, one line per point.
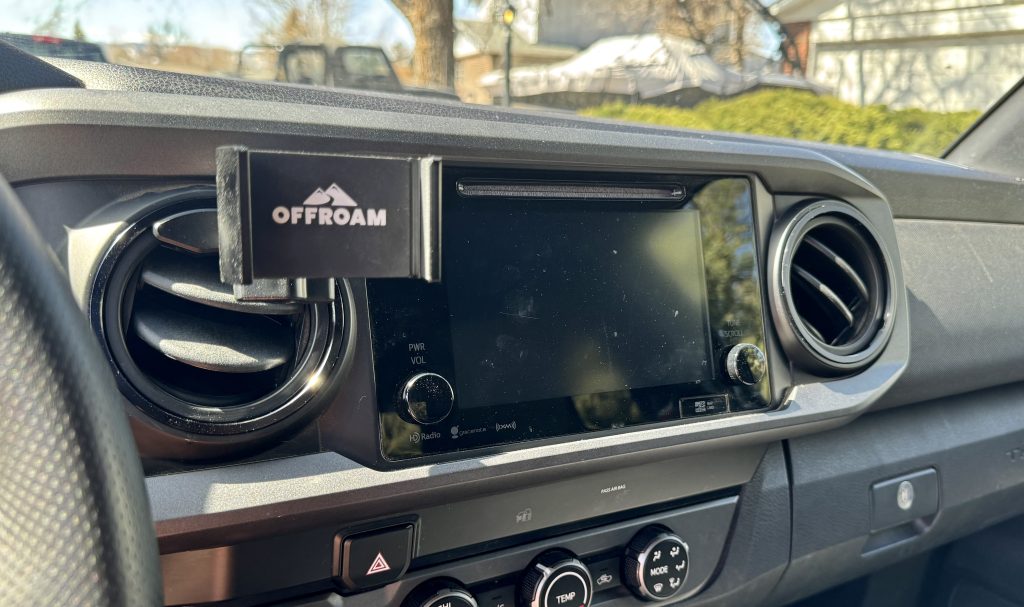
pixel 571 303
pixel 561 298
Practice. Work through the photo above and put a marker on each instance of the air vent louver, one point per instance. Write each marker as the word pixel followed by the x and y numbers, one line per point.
pixel 834 288
pixel 189 353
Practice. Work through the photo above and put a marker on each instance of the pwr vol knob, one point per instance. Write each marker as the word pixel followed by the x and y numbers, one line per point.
pixel 428 397
pixel 556 578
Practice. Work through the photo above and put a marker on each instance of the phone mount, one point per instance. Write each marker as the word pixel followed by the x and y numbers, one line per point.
pixel 290 223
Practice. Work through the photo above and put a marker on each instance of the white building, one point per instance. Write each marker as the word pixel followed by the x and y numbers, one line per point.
pixel 941 55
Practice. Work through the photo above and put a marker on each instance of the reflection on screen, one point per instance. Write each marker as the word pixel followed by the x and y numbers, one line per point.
pixel 579 298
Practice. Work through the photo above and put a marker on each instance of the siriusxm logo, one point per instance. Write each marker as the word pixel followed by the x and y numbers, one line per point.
pixel 330 207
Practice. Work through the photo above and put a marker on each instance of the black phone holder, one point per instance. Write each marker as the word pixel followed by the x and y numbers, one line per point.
pixel 290 223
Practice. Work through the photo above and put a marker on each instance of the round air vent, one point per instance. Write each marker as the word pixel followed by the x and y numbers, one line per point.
pixel 831 288
pixel 185 350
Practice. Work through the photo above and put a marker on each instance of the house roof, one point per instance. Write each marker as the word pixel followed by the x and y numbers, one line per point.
pixel 487 38
pixel 797 11
pixel 645 66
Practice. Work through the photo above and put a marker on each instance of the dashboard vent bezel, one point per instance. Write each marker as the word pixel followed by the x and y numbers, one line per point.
pixel 801 341
pixel 115 276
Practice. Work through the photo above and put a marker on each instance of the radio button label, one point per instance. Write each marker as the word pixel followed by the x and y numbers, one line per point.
pixel 417 354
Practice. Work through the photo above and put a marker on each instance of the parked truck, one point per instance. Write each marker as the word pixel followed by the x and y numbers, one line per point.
pixel 357 67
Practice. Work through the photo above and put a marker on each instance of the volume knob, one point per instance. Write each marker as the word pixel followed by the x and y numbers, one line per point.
pixel 428 397
pixel 745 364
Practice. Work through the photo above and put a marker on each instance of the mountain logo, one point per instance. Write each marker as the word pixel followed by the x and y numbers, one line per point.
pixel 334 195
pixel 330 207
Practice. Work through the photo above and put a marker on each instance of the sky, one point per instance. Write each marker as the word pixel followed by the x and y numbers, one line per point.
pixel 223 23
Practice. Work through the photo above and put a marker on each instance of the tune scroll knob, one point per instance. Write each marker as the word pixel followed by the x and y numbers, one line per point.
pixel 656 564
pixel 428 397
pixel 440 592
pixel 556 578
pixel 745 364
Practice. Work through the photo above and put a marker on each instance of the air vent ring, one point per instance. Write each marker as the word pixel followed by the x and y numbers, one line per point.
pixel 831 285
pixel 188 355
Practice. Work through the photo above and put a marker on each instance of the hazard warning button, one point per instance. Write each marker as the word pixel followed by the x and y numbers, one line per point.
pixel 374 558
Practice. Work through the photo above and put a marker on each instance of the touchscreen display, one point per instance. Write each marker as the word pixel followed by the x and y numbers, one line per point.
pixel 555 299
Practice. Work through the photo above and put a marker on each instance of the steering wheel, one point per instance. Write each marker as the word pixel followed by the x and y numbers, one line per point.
pixel 75 526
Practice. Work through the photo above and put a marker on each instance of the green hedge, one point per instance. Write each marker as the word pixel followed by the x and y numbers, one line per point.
pixel 804 115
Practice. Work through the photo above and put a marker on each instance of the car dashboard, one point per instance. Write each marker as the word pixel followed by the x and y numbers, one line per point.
pixel 844 391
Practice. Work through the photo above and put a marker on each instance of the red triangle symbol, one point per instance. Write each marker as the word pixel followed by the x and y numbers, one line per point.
pixel 379 565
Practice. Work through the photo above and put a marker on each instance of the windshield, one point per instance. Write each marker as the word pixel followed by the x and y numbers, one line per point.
pixel 873 73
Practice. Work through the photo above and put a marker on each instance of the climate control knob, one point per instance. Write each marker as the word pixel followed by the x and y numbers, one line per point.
pixel 440 592
pixel 428 397
pixel 656 564
pixel 556 579
pixel 745 364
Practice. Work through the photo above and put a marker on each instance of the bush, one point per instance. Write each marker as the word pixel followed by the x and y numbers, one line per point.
pixel 804 115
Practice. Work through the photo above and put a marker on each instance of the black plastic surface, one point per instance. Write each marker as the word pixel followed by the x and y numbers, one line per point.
pixel 973 442
pixel 983 570
pixel 704 526
pixel 757 550
pixel 546 507
pixel 467 521
pixel 20 71
pixel 964 282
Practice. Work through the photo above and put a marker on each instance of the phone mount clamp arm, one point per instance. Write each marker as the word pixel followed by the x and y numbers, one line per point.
pixel 290 223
